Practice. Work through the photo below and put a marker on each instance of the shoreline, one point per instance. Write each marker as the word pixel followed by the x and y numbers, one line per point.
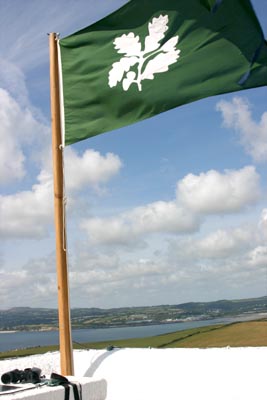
pixel 243 317
pixel 34 340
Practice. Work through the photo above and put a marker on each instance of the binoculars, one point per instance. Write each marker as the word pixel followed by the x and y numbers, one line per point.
pixel 29 375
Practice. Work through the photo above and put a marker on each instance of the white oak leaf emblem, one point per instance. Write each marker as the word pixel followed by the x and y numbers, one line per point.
pixel 154 59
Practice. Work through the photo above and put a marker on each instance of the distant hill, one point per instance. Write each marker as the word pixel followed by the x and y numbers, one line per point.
pixel 227 306
pixel 27 318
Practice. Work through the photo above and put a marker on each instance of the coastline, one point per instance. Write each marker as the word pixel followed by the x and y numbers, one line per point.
pixel 244 316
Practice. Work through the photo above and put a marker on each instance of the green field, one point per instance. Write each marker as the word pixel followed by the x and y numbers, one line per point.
pixel 239 334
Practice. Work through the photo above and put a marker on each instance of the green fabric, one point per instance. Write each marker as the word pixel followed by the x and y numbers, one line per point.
pixel 220 49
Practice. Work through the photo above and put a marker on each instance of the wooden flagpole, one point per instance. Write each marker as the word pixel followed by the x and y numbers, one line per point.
pixel 65 341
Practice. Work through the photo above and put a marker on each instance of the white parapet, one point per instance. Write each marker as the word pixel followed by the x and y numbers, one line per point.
pixel 155 374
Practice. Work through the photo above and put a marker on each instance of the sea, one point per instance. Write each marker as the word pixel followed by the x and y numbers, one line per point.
pixel 25 339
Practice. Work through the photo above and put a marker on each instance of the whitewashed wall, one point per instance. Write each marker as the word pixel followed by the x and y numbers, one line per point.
pixel 182 374
pixel 162 374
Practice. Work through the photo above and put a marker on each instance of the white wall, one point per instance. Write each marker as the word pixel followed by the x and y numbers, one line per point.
pixel 182 374
pixel 163 374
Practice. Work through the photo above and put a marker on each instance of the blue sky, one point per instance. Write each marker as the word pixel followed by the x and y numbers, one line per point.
pixel 169 210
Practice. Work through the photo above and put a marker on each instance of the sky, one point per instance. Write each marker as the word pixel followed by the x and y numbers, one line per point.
pixel 169 210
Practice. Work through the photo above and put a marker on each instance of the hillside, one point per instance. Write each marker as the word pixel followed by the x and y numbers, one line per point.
pixel 26 318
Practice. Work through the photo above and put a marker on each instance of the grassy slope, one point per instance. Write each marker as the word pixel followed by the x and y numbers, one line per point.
pixel 240 334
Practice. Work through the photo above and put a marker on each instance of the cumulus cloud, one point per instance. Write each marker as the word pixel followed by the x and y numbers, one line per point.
pixel 91 168
pixel 153 218
pixel 223 243
pixel 108 231
pixel 231 257
pixel 220 244
pixel 214 192
pixel 26 214
pixel 94 281
pixel 29 213
pixel 224 263
pixel 39 292
pixel 12 80
pixel 253 135
pixel 263 222
pixel 18 128
pixel 258 257
pixel 196 196
pixel 124 271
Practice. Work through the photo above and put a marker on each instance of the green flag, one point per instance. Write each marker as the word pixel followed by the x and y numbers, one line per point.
pixel 153 55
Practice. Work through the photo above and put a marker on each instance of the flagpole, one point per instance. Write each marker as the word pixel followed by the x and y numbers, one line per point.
pixel 65 341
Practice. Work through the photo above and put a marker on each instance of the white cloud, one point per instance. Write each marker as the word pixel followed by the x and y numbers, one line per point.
pixel 258 257
pixel 27 214
pixel 222 263
pixel 18 128
pixel 31 288
pixel 224 243
pixel 11 156
pixel 253 135
pixel 196 196
pixel 12 80
pixel 214 192
pixel 96 281
pixel 108 231
pixel 234 255
pixel 91 168
pixel 220 244
pixel 263 222
pixel 163 216
pixel 153 218
pixel 225 263
pixel 122 271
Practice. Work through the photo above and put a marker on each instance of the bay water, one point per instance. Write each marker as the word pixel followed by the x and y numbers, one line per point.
pixel 24 339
